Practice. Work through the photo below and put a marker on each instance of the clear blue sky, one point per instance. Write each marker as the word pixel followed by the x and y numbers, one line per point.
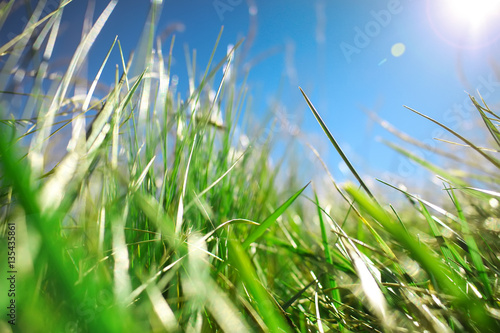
pixel 339 52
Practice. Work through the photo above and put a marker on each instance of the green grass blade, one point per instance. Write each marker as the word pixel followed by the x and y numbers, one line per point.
pixel 26 32
pixel 489 124
pixel 431 167
pixel 155 212
pixel 268 308
pixel 328 257
pixel 5 8
pixel 55 251
pixel 490 158
pixel 419 252
pixel 335 144
pixel 474 251
pixel 261 229
pixel 448 255
pixel 452 284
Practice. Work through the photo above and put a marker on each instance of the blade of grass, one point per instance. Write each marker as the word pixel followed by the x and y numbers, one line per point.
pixel 261 229
pixel 420 252
pixel 335 293
pixel 5 8
pixel 445 280
pixel 54 245
pixel 202 288
pixel 489 124
pixel 439 238
pixel 267 307
pixel 30 29
pixel 474 251
pixel 433 168
pixel 335 144
pixel 490 158
pixel 180 209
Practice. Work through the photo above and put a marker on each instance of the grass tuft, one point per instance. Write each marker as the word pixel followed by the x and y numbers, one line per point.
pixel 129 206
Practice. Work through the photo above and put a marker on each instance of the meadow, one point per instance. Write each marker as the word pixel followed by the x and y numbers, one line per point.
pixel 137 210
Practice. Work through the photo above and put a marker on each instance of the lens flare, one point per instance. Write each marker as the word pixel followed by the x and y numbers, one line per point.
pixel 474 13
pixel 465 24
pixel 398 49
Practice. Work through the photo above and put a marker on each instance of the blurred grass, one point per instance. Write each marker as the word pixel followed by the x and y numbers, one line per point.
pixel 161 215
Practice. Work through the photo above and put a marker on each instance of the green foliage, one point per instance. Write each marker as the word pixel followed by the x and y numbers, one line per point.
pixel 157 218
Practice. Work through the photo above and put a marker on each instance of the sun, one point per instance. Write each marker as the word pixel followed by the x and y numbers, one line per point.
pixel 465 24
pixel 474 13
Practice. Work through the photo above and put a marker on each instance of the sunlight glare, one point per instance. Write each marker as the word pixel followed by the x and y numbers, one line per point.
pixel 475 13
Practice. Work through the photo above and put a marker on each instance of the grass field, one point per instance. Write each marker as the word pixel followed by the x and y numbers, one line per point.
pixel 141 211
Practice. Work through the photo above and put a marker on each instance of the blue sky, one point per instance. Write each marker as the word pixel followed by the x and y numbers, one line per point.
pixel 339 52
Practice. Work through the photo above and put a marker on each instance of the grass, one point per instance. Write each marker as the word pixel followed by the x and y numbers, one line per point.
pixel 160 217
